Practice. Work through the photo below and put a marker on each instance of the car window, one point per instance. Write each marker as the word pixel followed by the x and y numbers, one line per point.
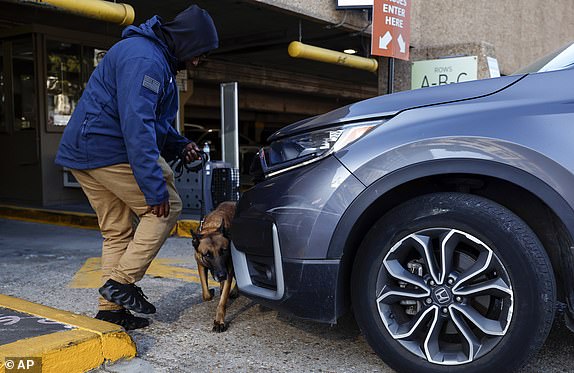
pixel 560 59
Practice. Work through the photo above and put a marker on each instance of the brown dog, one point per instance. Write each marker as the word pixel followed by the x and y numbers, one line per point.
pixel 212 253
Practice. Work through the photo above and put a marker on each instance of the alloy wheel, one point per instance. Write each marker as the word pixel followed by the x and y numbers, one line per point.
pixel 444 295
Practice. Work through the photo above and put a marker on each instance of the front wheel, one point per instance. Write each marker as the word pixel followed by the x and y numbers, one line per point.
pixel 452 282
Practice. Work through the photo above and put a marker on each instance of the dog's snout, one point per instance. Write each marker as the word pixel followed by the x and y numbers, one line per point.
pixel 221 276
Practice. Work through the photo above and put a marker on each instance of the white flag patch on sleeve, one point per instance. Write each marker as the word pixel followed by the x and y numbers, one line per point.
pixel 151 84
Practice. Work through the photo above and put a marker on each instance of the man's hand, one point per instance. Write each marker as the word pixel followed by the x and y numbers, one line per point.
pixel 191 152
pixel 161 210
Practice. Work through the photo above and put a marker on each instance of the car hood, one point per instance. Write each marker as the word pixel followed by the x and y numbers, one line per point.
pixel 389 105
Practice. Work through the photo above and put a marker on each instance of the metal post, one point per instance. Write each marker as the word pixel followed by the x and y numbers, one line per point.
pixel 230 124
pixel 391 75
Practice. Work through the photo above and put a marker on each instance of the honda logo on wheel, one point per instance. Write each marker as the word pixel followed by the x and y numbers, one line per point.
pixel 442 295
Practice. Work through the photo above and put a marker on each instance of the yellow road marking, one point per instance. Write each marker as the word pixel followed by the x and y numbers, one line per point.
pixel 90 275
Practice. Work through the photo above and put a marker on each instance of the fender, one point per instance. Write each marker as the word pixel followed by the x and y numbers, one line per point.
pixel 340 248
pixel 446 166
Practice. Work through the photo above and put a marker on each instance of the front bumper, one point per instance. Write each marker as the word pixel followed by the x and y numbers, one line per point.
pixel 281 235
pixel 296 287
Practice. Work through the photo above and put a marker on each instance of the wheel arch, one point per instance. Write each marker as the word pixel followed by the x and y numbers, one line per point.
pixel 522 193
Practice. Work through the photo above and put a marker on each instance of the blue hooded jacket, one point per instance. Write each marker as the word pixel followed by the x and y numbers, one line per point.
pixel 126 112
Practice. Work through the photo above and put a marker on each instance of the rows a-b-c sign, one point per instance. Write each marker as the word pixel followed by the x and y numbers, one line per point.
pixel 391 28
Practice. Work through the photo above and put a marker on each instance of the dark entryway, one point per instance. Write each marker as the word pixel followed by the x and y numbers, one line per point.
pixel 20 169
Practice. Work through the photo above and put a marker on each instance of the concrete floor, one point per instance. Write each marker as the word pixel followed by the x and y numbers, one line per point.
pixel 40 261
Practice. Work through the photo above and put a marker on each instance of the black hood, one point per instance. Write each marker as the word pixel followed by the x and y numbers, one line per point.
pixel 149 30
pixel 190 34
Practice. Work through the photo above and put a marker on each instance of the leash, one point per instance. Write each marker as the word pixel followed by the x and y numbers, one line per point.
pixel 179 163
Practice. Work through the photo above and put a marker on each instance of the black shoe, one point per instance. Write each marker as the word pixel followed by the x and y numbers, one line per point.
pixel 126 295
pixel 123 318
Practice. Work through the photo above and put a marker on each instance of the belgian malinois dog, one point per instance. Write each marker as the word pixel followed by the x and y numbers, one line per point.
pixel 212 253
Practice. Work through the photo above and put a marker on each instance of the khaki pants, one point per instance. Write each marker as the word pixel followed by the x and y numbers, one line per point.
pixel 116 198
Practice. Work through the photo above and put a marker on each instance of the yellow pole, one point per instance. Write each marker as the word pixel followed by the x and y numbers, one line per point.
pixel 122 14
pixel 299 50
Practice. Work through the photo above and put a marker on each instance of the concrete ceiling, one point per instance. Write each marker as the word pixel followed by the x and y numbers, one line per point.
pixel 253 51
pixel 251 33
pixel 258 35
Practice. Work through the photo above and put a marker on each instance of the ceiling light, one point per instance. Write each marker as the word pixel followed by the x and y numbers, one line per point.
pixel 350 51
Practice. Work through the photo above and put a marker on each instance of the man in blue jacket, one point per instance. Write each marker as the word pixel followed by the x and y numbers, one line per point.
pixel 117 143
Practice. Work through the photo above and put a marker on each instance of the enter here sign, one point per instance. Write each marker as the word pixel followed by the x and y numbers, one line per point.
pixel 391 28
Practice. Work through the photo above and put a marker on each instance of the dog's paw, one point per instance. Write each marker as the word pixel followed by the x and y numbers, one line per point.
pixel 219 327
pixel 209 296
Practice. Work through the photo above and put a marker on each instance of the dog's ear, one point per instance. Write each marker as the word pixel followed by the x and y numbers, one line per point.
pixel 196 237
pixel 223 231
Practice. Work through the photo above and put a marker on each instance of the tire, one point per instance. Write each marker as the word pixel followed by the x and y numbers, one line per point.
pixel 488 306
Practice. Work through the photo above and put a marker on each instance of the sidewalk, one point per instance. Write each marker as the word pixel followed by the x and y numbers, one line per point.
pixel 44 339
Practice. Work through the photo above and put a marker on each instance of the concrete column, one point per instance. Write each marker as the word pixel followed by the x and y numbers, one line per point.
pixel 402 81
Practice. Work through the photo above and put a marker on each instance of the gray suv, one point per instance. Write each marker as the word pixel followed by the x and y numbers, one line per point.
pixel 442 217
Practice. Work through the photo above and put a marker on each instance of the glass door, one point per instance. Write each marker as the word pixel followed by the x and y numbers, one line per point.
pixel 63 82
pixel 68 67
pixel 24 85
pixel 19 138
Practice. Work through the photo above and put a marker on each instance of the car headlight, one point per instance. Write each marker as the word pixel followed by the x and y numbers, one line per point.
pixel 302 149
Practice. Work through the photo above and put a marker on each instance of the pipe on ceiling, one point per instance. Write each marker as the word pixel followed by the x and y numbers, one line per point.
pixel 122 14
pixel 299 50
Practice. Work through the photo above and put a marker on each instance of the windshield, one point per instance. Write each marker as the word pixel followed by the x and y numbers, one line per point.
pixel 557 60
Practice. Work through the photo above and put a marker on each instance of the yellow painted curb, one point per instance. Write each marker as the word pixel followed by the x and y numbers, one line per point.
pixel 183 227
pixel 37 215
pixel 87 347
pixel 77 219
